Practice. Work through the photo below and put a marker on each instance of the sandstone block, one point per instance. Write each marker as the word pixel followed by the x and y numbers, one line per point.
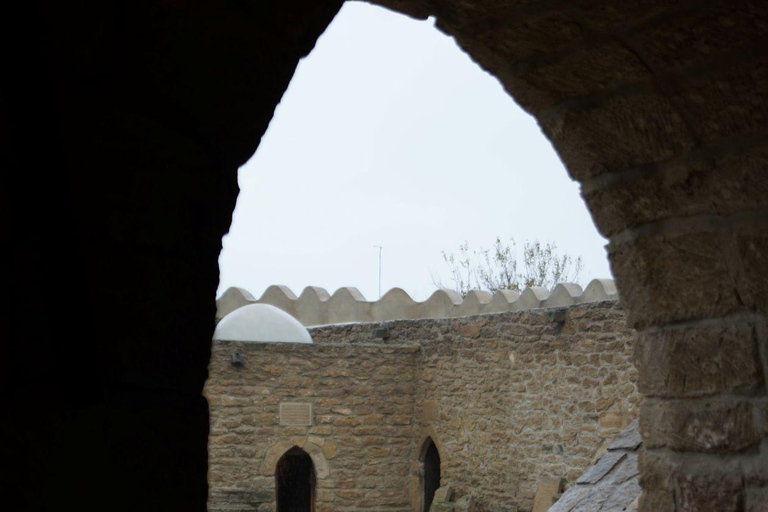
pixel 710 493
pixel 465 504
pixel 698 425
pixel 589 143
pixel 659 290
pixel 470 331
pixel 545 492
pixel 753 250
pixel 721 185
pixel 330 450
pixel 756 499
pixel 695 361
pixel 611 420
pixel 429 410
pixel 443 494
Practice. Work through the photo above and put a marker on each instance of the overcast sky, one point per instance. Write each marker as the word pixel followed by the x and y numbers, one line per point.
pixel 390 135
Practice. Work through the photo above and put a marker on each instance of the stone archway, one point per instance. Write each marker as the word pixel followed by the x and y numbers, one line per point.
pixel 124 123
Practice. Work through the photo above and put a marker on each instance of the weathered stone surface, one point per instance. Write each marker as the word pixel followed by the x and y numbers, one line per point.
pixel 764 418
pixel 717 493
pixel 545 492
pixel 429 410
pixel 499 426
pixel 728 183
pixel 698 425
pixel 654 132
pixel 443 494
pixel 753 251
pixel 756 499
pixel 465 504
pixel 659 293
pixel 699 360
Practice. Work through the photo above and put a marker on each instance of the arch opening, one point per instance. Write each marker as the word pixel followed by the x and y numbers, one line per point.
pixel 431 473
pixel 295 480
pixel 419 111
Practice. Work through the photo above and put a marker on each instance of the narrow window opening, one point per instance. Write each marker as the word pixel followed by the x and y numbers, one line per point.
pixel 431 474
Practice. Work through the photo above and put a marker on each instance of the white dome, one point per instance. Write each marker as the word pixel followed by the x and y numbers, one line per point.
pixel 261 322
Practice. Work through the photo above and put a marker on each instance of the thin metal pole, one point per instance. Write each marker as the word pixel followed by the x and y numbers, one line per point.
pixel 380 248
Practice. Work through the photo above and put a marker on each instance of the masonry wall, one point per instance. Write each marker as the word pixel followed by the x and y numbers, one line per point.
pixel 363 400
pixel 508 398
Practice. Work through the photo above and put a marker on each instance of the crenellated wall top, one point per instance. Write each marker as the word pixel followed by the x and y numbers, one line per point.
pixel 315 306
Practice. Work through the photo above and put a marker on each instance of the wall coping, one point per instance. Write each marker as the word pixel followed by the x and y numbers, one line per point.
pixel 315 306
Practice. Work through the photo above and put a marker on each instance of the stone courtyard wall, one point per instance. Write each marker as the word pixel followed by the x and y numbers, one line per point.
pixel 508 398
pixel 363 400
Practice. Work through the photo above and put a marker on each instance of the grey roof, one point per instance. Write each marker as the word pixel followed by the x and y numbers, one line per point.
pixel 612 484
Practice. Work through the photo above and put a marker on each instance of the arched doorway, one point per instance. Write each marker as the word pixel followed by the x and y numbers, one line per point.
pixel 295 482
pixel 431 481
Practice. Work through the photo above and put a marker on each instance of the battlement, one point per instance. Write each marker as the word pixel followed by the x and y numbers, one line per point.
pixel 315 306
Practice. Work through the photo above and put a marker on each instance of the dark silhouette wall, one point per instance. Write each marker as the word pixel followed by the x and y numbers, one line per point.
pixel 122 125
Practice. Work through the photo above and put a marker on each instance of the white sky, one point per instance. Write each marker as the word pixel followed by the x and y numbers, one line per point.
pixel 390 135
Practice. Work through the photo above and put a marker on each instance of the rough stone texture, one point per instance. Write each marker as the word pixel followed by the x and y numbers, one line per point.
pixel 545 493
pixel 465 504
pixel 705 283
pixel 699 426
pixel 699 360
pixel 361 438
pixel 443 494
pixel 508 398
pixel 505 386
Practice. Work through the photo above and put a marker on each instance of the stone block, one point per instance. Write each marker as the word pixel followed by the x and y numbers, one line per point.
pixel 611 420
pixel 658 479
pixel 753 251
pixel 531 35
pixel 729 106
pixel 587 70
pixel 764 418
pixel 622 133
pixel 726 183
pixel 696 35
pixel 657 500
pixel 545 492
pixel 698 360
pixel 658 289
pixel 756 499
pixel 443 495
pixel 698 425
pixel 710 493
pixel 465 504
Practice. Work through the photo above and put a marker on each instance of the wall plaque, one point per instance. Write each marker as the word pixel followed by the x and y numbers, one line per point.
pixel 295 414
